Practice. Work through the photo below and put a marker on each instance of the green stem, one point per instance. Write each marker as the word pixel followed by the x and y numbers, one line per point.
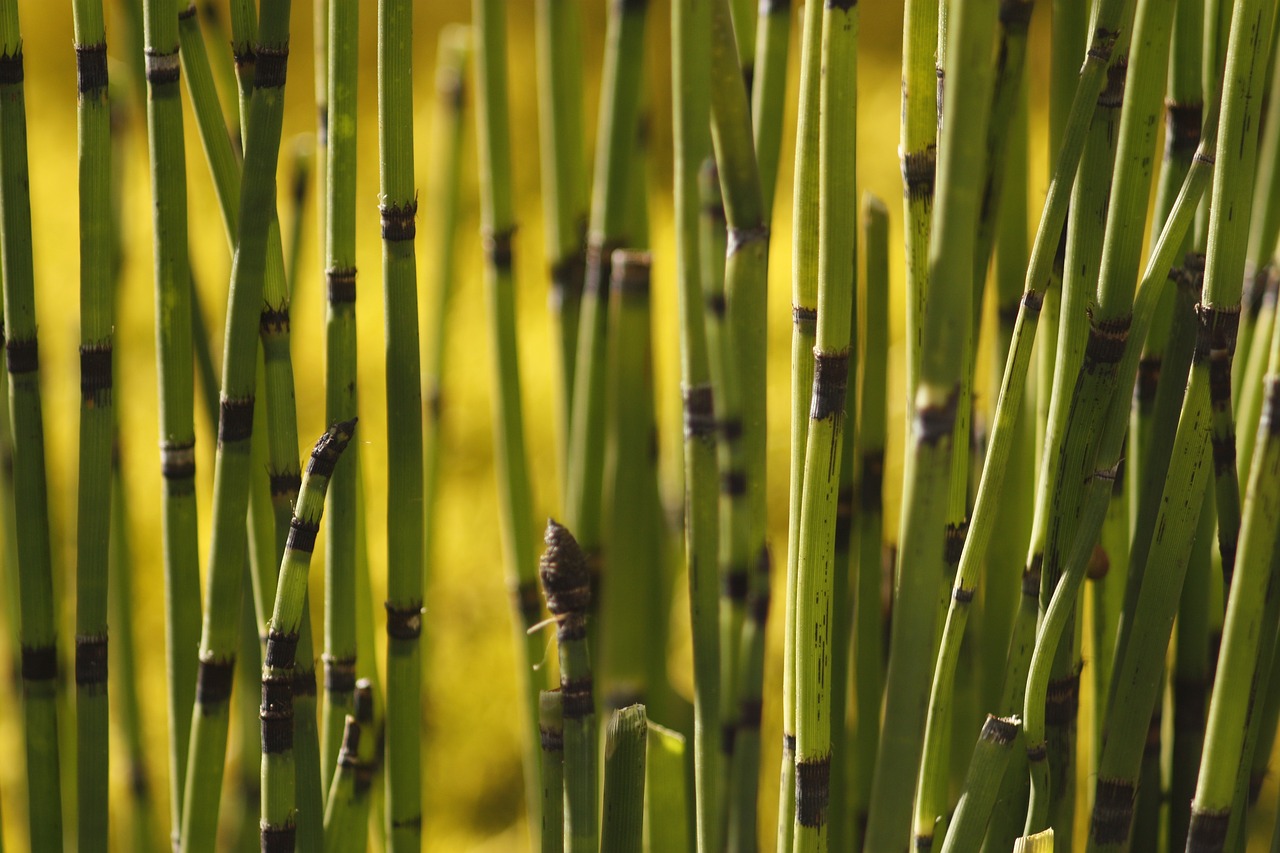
pixel 551 738
pixel 982 784
pixel 667 823
pixel 622 825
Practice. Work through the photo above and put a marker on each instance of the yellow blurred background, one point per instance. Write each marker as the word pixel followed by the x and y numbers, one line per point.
pixel 471 771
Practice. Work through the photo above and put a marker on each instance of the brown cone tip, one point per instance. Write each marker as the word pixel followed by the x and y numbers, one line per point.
pixel 566 580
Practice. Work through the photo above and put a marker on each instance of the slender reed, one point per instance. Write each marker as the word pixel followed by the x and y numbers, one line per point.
pixel 551 739
pixel 279 795
pixel 557 31
pixel 566 583
pixel 341 829
pixel 691 109
pixel 96 425
pixel 768 93
pixel 832 354
pixel 340 377
pixel 246 805
pixel 497 223
pixel 231 475
pixel 622 825
pixel 667 825
pixel 982 785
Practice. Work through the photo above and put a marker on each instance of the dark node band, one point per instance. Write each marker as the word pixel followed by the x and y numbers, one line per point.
pixel 871 489
pixel 1182 127
pixel 566 277
pixel 1188 703
pixel 213 682
pixel 1037 752
pixel 576 694
pixel 844 513
pixel 919 170
pixel 324 456
pixel 349 752
pixel 1007 314
pixel 830 382
pixel 1271 406
pixel 1257 284
pixel 399 221
pixel 95 373
pixel 364 701
pixel 178 460
pixel 566 578
pixel 788 744
pixel 282 650
pixel 139 782
pixel 935 422
pixel 953 543
pixel 274 320
pixel 551 740
pixel 631 273
pixel 1015 15
pixel 235 419
pixel 804 318
pixel 91 660
pixel 498 248
pixel 189 12
pixel 999 730
pixel 91 68
pixel 1112 811
pixel 1031 578
pixel 962 594
pixel 404 622
pixel 341 282
pixel 1062 700
pixel 1106 342
pixel 758 602
pixel 728 738
pixel 772 7
pixel 276 714
pixel 1144 391
pixel 280 838
pixel 162 67
pixel 699 412
pixel 1112 94
pixel 1208 830
pixel 271 66
pixel 716 304
pixel 813 791
pixel 11 68
pixel 528 602
pixel 302 535
pixel 23 355
pixel 741 238
pixel 733 484
pixel 841 5
pixel 40 663
pixel 1032 301
pixel 284 484
pixel 304 681
pixel 1216 330
pixel 749 711
pixel 244 57
pixel 733 586
pixel 1224 452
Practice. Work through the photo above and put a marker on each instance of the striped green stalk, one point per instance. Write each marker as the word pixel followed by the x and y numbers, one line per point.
pixel 804 313
pixel 1250 398
pixel 246 805
pixel 405 519
pixel 1106 572
pixel 174 341
pixel 497 223
pixel 551 740
pixel 614 159
pixel 232 470
pixel 125 681
pixel 691 133
pixel 300 167
pixel 93 516
pixel 35 581
pixel 279 786
pixel 868 533
pixel 343 829
pixel 948 326
pixel 314 151
pixel 837 228
pixel 667 826
pixel 622 824
pixel 566 583
pixel 214 28
pixel 558 35
pixel 340 378
pixel 839 822
pixel 982 784
pixel 768 93
pixel 244 42
pixel 1138 650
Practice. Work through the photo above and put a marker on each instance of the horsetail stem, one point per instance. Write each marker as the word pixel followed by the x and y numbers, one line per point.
pixel 340 641
pixel 405 520
pixel 551 740
pixel 247 804
pixel 982 784
pixel 768 93
pixel 231 475
pixel 566 583
pixel 497 222
pixel 622 824
pixel 279 794
pixel 342 829
pixel 691 69
pixel 97 423
pixel 667 825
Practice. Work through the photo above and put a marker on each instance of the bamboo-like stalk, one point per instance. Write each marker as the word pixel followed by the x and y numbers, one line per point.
pixel 279 794
pixel 622 825
pixel 551 739
pixel 868 520
pixel 666 817
pixel 832 355
pixel 982 784
pixel 566 583
pixel 1132 692
pixel 497 218
pixel 301 161
pixel 804 313
pixel 768 92
pixel 340 377
pixel 246 805
pixel 341 829
pixel 691 133
pixel 1250 398
pixel 93 516
pixel 405 519
pixel 231 474
pixel 557 31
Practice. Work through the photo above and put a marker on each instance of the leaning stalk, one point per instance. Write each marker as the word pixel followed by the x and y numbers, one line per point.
pixel 982 784
pixel 621 829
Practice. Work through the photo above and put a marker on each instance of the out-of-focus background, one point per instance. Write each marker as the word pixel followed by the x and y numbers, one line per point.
pixel 472 775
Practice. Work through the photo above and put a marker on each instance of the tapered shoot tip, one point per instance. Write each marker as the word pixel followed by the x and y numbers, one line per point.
pixel 330 446
pixel 874 206
pixel 566 581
